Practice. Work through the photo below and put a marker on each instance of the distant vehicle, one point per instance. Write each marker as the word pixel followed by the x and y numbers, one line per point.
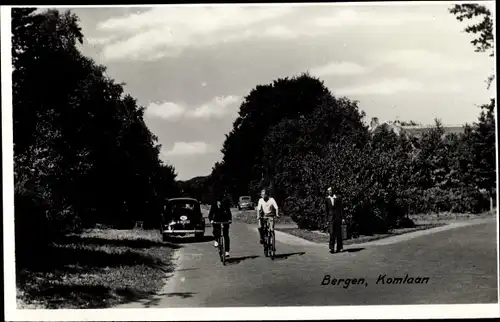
pixel 182 217
pixel 245 202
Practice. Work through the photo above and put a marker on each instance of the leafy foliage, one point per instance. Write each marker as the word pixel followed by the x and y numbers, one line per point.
pixel 483 143
pixel 484 40
pixel 82 151
pixel 263 108
pixel 483 30
pixel 198 187
pixel 381 177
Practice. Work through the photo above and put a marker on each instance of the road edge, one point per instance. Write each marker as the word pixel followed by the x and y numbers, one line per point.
pixel 295 240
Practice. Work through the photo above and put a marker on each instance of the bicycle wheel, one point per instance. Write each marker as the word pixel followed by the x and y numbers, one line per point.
pixel 222 251
pixel 272 244
pixel 266 248
pixel 222 254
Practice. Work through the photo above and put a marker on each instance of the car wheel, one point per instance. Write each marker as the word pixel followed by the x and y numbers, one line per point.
pixel 239 208
pixel 199 236
pixel 165 238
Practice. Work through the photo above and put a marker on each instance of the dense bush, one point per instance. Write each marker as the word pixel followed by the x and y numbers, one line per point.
pixel 82 152
pixel 381 177
pixel 454 200
pixel 263 108
pixel 381 182
pixel 369 178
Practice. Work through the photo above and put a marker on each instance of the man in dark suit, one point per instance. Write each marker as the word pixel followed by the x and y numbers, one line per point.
pixel 334 214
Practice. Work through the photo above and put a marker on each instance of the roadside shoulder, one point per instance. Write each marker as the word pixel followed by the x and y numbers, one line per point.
pixel 297 236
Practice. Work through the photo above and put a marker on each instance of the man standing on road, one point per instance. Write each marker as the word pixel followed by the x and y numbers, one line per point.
pixel 333 208
pixel 220 211
pixel 267 209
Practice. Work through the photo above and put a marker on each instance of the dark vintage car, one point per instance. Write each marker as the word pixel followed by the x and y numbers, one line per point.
pixel 182 217
pixel 245 202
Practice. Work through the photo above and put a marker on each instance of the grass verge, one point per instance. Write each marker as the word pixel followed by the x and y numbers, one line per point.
pixel 422 221
pixel 97 269
pixel 323 238
pixel 448 217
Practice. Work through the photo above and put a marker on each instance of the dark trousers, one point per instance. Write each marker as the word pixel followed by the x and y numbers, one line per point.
pixel 225 232
pixel 335 230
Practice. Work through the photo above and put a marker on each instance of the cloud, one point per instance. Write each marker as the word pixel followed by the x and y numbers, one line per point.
pixel 349 17
pixel 203 20
pixel 396 86
pixel 99 40
pixel 187 148
pixel 165 110
pixel 425 61
pixel 339 68
pixel 383 87
pixel 218 107
pixel 279 31
pixel 169 30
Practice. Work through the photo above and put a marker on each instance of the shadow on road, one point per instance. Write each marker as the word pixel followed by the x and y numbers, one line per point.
pixel 187 269
pixel 171 245
pixel 285 256
pixel 184 295
pixel 353 250
pixel 237 260
pixel 151 302
pixel 189 240
pixel 156 300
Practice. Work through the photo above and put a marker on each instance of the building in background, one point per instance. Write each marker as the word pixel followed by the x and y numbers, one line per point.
pixel 411 130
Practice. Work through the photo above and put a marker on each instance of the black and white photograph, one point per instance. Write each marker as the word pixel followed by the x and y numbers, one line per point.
pixel 250 161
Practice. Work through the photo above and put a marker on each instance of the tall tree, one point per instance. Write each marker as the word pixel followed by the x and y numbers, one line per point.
pixel 483 145
pixel 332 120
pixel 82 150
pixel 483 135
pixel 263 108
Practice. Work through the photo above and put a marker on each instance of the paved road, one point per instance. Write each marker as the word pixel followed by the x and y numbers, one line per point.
pixel 461 264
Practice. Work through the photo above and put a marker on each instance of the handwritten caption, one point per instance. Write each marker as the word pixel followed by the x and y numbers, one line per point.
pixel 382 279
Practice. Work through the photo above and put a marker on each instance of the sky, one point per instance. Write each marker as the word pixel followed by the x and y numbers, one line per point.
pixel 191 66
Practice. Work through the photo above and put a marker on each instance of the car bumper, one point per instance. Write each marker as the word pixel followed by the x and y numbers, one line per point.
pixel 182 231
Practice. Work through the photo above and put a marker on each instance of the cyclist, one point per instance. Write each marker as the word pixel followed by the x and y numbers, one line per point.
pixel 267 209
pixel 220 211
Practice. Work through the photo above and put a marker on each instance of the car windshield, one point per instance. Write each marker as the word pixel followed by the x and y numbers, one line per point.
pixel 182 206
pixel 175 209
pixel 244 198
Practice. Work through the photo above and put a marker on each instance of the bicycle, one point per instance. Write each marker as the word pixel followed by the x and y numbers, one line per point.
pixel 222 251
pixel 269 240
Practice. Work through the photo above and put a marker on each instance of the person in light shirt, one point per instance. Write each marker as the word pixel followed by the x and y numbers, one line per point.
pixel 267 209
